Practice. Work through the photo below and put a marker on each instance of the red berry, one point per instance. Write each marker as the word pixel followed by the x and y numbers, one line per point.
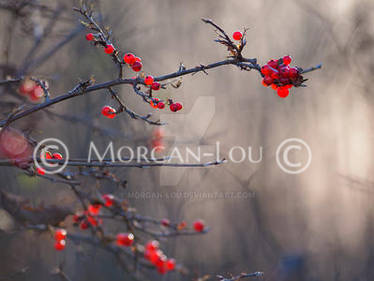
pixel 283 92
pixel 273 63
pixel 109 49
pixel 237 35
pixel 137 66
pixel 284 81
pixel 148 80
pixel 36 93
pixel 40 171
pixel 108 112
pixel 60 234
pixel 57 155
pixel 129 58
pixel 27 86
pixel 125 239
pixel 154 102
pixel 170 264
pixel 161 105
pixel 156 86
pixel 92 221
pixel 266 70
pixel 293 72
pixel 161 268
pixel 48 155
pixel 287 60
pixel 173 107
pixel 275 75
pixel 138 59
pixel 76 218
pixel 84 225
pixel 60 245
pixel 94 209
pixel 152 245
pixel 89 37
pixel 274 86
pixel 109 200
pixel 267 81
pixel 165 222
pixel 198 226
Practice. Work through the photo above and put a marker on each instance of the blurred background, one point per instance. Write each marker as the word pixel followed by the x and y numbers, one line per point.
pixel 317 225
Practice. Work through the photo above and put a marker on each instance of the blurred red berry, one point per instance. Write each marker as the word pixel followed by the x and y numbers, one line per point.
pixel 274 86
pixel 40 171
pixel 237 35
pixel 48 155
pixel 165 222
pixel 137 59
pixel 129 58
pixel 137 66
pixel 179 106
pixel 170 264
pixel 293 72
pixel 109 200
pixel 94 209
pixel 60 245
pixel 60 234
pixel 152 245
pixel 154 102
pixel 109 49
pixel 266 70
pixel 156 86
pixel 36 93
pixel 287 60
pixel 125 239
pixel 267 81
pixel 173 107
pixel 108 112
pixel 84 225
pixel 89 37
pixel 161 105
pixel 148 80
pixel 57 155
pixel 282 92
pixel 199 226
pixel 273 63
pixel 27 86
pixel 284 81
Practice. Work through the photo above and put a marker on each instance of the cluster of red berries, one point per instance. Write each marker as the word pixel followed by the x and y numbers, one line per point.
pixel 198 225
pixel 108 112
pixel 60 238
pixel 281 76
pixel 108 48
pixel 133 61
pixel 155 256
pixel 48 156
pixel 31 89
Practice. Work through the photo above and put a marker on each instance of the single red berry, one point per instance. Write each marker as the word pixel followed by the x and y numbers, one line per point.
pixel 40 171
pixel 148 80
pixel 181 225
pixel 237 35
pixel 161 105
pixel 36 93
pixel 161 261
pixel 273 63
pixel 108 112
pixel 27 86
pixel 77 218
pixel 266 70
pixel 84 225
pixel 48 155
pixel 274 86
pixel 154 102
pixel 275 75
pixel 125 239
pixel 287 60
pixel 94 209
pixel 170 264
pixel 129 58
pixel 199 226
pixel 156 86
pixel 60 245
pixel 137 59
pixel 152 245
pixel 173 107
pixel 92 221
pixel 179 106
pixel 57 155
pixel 267 81
pixel 161 268
pixel 109 200
pixel 165 222
pixel 284 71
pixel 283 92
pixel 60 234
pixel 293 72
pixel 90 37
pixel 137 66
pixel 109 49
